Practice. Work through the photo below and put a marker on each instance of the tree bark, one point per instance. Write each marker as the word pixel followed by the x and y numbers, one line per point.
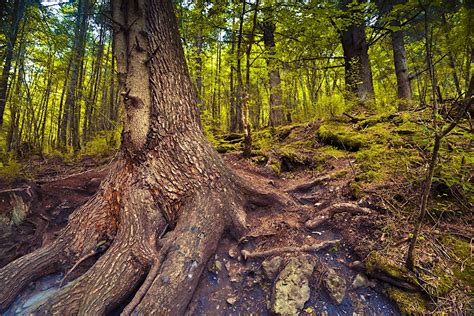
pixel 71 110
pixel 401 69
pixel 159 214
pixel 358 73
pixel 17 15
pixel 277 116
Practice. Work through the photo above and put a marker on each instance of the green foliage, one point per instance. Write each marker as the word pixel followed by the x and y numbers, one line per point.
pixel 100 146
pixel 463 268
pixel 10 170
pixel 409 303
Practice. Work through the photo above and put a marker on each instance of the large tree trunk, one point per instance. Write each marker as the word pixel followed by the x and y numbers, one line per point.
pixel 358 73
pixel 168 197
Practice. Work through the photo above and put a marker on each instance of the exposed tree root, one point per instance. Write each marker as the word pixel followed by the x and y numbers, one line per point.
pixel 276 251
pixel 18 274
pixel 384 277
pixel 305 187
pixel 87 256
pixel 327 213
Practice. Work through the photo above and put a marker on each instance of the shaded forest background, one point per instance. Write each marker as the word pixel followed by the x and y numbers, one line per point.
pixel 255 64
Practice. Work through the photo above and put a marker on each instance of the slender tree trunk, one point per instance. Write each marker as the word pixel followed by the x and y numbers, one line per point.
pixel 17 15
pixel 358 73
pixel 159 214
pixel 401 70
pixel 246 94
pixel 451 61
pixel 240 83
pixel 233 121
pixel 71 106
pixel 277 115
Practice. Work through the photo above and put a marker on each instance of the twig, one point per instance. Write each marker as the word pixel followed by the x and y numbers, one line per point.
pixel 87 256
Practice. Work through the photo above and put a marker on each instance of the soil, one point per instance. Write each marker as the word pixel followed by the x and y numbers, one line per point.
pixel 231 283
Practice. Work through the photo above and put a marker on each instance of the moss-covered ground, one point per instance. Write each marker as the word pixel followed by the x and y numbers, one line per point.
pixel 388 155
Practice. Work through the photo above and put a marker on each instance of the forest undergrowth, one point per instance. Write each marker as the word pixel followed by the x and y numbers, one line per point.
pixel 376 161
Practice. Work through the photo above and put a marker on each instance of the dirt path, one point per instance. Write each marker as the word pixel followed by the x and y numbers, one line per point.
pixel 233 284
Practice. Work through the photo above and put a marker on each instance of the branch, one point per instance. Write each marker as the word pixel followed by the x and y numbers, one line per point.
pixel 464 106
pixel 426 69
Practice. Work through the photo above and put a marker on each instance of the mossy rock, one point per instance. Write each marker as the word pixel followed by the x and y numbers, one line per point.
pixel 340 136
pixel 381 118
pixel 462 250
pixel 225 147
pixel 408 303
pixel 376 263
pixel 408 128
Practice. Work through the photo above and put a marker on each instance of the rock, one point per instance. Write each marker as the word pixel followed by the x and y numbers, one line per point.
pixel 234 273
pixel 216 267
pixel 231 300
pixel 291 290
pixel 360 281
pixel 233 252
pixel 335 286
pixel 271 266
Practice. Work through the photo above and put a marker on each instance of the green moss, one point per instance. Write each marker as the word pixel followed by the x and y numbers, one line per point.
pixel 443 284
pixel 408 303
pixel 340 136
pixel 375 262
pixel 276 168
pixel 379 118
pixel 11 170
pixel 462 250
pixel 408 128
pixel 332 151
pixel 357 190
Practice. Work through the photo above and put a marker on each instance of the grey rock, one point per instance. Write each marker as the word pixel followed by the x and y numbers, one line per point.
pixel 291 290
pixel 271 267
pixel 335 286
pixel 360 281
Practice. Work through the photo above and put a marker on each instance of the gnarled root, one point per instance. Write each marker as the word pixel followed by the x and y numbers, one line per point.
pixel 195 240
pixel 19 273
pixel 159 271
pixel 327 213
pixel 70 245
pixel 276 251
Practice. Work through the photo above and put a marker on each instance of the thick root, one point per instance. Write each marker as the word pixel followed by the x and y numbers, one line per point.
pixel 327 213
pixel 277 251
pixel 195 240
pixel 118 273
pixel 100 289
pixel 19 273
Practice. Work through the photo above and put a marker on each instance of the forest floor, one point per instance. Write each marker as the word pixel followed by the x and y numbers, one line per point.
pixel 336 246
